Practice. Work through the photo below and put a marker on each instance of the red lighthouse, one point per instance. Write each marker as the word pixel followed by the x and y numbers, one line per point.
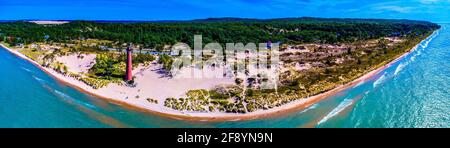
pixel 129 72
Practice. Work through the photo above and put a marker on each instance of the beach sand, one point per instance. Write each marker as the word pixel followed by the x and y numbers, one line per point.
pixel 153 85
pixel 76 64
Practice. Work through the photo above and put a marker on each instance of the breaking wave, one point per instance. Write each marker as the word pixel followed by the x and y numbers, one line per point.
pixel 310 108
pixel 424 45
pixel 72 100
pixel 427 41
pixel 25 69
pixel 344 104
pixel 359 84
pixel 380 80
pixel 39 79
pixel 400 68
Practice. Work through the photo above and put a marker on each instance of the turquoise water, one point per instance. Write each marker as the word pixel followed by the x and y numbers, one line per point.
pixel 413 92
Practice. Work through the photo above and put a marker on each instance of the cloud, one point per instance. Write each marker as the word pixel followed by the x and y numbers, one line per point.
pixel 433 1
pixel 395 9
pixel 195 9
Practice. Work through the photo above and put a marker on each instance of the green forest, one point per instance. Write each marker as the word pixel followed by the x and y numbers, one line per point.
pixel 156 35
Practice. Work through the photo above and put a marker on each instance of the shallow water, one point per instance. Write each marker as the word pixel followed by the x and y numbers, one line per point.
pixel 413 92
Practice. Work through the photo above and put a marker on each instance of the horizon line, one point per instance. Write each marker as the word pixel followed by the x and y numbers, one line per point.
pixel 206 18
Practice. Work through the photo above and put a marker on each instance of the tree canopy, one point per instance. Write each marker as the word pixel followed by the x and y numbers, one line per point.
pixel 221 30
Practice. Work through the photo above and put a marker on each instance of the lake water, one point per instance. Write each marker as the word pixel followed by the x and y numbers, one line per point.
pixel 413 92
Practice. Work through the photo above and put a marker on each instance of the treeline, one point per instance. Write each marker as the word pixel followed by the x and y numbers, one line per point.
pixel 226 30
pixel 111 66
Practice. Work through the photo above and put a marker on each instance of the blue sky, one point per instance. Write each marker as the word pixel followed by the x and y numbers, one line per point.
pixel 431 10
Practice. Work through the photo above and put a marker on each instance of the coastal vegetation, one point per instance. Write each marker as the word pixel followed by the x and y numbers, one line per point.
pixel 108 66
pixel 298 84
pixel 317 55
pixel 156 35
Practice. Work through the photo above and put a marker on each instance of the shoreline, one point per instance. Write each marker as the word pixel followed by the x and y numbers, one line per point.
pixel 293 106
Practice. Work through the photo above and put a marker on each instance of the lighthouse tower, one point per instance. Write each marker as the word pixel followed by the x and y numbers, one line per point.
pixel 129 72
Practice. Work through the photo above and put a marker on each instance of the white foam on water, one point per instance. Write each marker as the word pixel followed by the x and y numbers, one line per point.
pixel 417 53
pixel 427 42
pixel 400 68
pixel 359 84
pixel 343 105
pixel 25 69
pixel 380 80
pixel 413 58
pixel 310 108
pixel 39 79
pixel 68 98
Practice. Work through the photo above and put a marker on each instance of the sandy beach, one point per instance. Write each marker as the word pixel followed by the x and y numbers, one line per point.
pixel 154 86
